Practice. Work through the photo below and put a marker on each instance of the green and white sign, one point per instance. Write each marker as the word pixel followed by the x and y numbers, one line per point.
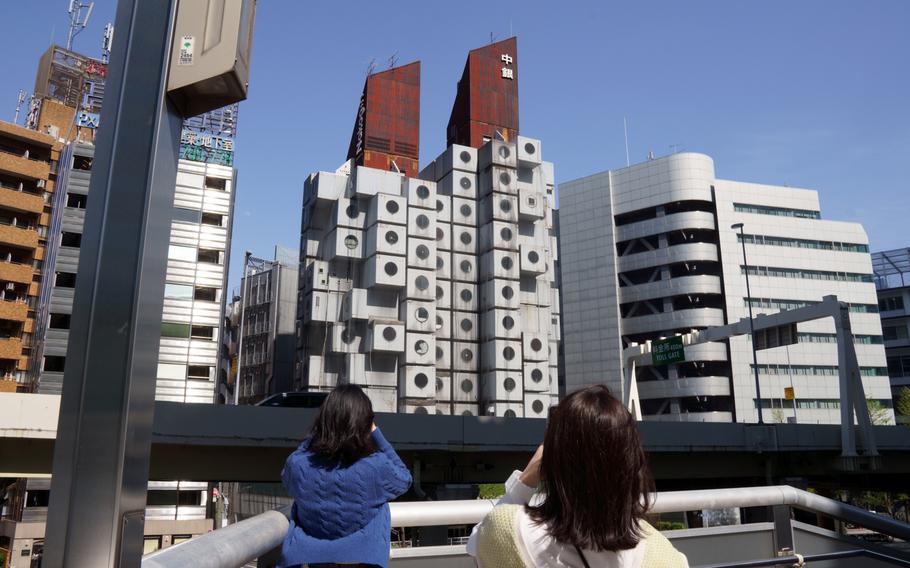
pixel 667 351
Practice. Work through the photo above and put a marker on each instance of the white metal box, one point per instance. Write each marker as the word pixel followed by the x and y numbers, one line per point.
pixel 443 386
pixel 421 284
pixel 465 356
pixel 385 336
pixel 362 304
pixel 344 339
pixel 443 208
pixel 533 260
pixel 465 387
pixel 501 354
pixel 371 181
pixel 500 324
pixel 443 294
pixel 388 209
pixel 422 253
pixel 458 184
pixel 504 409
pixel 421 223
pixel 497 153
pixel 322 307
pixel 464 326
pixel 443 354
pixel 501 386
pixel 444 264
pixel 535 347
pixel 464 239
pixel 343 242
pixel 498 207
pixel 498 234
pixel 420 348
pixel 498 179
pixel 456 157
pixel 536 405
pixel 419 193
pixel 499 263
pixel 499 294
pixel 443 323
pixel 532 205
pixel 465 409
pixel 350 213
pixel 417 315
pixel 464 296
pixel 385 238
pixel 324 187
pixel 464 267
pixel 385 270
pixel 464 211
pixel 529 152
pixel 316 276
pixel 443 236
pixel 536 377
pixel 416 381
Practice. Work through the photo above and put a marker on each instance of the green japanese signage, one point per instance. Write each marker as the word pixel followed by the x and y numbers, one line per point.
pixel 667 351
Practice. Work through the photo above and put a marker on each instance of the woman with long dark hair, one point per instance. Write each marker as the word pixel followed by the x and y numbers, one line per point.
pixel 593 482
pixel 342 478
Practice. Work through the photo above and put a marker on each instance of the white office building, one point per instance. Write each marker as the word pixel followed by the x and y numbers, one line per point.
pixel 648 252
pixel 436 294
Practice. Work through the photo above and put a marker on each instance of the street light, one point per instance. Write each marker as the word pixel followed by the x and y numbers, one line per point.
pixel 742 239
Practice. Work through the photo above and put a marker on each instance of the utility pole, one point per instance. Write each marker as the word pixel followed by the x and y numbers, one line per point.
pixel 739 226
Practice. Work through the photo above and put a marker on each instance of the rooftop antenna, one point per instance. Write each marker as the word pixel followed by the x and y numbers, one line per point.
pixel 393 60
pixel 492 37
pixel 650 155
pixel 19 101
pixel 106 42
pixel 77 21
pixel 371 67
pixel 625 130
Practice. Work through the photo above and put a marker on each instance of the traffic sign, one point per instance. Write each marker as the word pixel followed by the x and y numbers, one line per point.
pixel 667 351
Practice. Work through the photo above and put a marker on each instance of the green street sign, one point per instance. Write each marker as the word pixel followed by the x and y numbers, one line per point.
pixel 667 351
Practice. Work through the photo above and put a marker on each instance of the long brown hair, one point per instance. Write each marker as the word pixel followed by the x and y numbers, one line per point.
pixel 342 430
pixel 594 474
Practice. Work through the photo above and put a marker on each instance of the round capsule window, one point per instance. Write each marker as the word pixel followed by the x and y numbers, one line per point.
pixel 530 149
pixel 391 237
pixel 508 353
pixel 465 182
pixel 389 334
pixel 422 348
pixel 440 234
pixel 422 252
pixel 505 178
pixel 423 191
pixel 423 221
pixel 347 337
pixel 439 355
pixel 533 256
pixel 391 268
pixel 504 152
pixel 465 156
pixel 536 375
pixel 536 345
pixel 508 322
pixel 392 206
pixel 509 413
pixel 440 264
pixel 439 323
pixel 439 294
pixel 505 205
pixel 466 325
pixel 507 292
pixel 466 413
pixel 421 410
pixel 421 380
pixel 508 384
pixel 439 384
pixel 351 242
pixel 467 385
pixel 466 238
pixel 505 234
pixel 352 210
pixel 467 355
pixel 466 295
pixel 422 282
pixel 465 210
pixel 422 314
pixel 537 407
pixel 506 262
pixel 466 266
pixel 439 205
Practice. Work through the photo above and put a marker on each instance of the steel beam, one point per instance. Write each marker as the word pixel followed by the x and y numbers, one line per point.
pixel 101 458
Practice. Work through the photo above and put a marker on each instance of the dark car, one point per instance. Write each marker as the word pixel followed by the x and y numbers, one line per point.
pixel 295 399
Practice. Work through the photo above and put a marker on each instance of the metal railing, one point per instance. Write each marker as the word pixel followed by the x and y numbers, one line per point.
pixel 249 539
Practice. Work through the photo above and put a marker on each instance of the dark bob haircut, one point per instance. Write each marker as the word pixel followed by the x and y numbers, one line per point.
pixel 342 430
pixel 594 474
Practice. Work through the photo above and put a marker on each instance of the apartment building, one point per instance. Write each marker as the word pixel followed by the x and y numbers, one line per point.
pixel 648 252
pixel 892 279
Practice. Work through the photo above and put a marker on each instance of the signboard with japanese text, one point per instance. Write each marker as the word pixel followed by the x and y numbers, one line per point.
pixel 206 148
pixel 667 351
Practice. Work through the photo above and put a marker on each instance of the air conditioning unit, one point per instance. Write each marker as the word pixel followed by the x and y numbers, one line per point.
pixel 497 153
pixel 501 355
pixel 385 238
pixel 464 211
pixel 420 348
pixel 498 234
pixel 464 296
pixel 536 405
pixel 464 268
pixel 417 381
pixel 421 223
pixel 385 271
pixel 499 263
pixel 500 324
pixel 500 180
pixel 499 294
pixel 529 154
pixel 458 184
pixel 465 356
pixel 387 209
pixel 465 387
pixel 536 377
pixel 501 386
pixel 385 336
pixel 421 284
pixel 419 193
pixel 422 253
pixel 417 315
pixel 498 207
pixel 465 326
pixel 456 157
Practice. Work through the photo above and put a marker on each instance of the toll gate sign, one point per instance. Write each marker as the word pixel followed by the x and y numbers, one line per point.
pixel 668 351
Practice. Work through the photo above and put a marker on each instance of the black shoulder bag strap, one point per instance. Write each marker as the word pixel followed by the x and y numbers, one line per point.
pixel 583 559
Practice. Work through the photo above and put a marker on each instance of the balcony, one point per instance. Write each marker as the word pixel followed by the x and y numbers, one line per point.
pixel 12 198
pixel 18 164
pixel 24 237
pixel 10 348
pixel 14 310
pixel 16 272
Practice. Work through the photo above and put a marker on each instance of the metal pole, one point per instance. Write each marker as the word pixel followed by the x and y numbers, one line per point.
pixel 243 294
pixel 751 322
pixel 101 457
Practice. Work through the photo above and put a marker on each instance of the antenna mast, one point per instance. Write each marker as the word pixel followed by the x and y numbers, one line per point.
pixel 625 130
pixel 19 102
pixel 77 21
pixel 106 43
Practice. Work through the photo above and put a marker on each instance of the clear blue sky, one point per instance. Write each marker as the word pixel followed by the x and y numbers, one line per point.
pixel 812 93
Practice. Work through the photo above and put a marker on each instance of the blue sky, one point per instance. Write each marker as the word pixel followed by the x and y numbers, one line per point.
pixel 811 94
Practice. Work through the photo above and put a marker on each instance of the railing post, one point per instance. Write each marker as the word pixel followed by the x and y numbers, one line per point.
pixel 783 528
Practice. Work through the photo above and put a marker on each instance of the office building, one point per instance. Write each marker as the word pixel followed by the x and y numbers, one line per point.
pixel 892 279
pixel 268 300
pixel 648 252
pixel 435 293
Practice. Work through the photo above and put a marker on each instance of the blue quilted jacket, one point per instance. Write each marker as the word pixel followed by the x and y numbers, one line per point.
pixel 341 514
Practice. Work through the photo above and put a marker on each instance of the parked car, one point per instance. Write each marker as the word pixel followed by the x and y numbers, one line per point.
pixel 295 399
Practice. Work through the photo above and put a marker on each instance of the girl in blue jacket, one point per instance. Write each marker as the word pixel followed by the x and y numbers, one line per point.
pixel 342 478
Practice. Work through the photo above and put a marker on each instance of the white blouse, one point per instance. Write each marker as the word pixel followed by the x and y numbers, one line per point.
pixel 542 550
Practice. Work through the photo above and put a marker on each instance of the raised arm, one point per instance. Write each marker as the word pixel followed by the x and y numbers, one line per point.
pixel 398 478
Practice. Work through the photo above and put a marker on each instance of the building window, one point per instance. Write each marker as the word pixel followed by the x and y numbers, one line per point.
pixel 209 256
pixel 199 372
pixel 212 219
pixel 894 333
pixel 54 363
pixel 175 330
pixel 891 304
pixel 83 163
pixel 68 239
pixel 778 211
pixel 59 321
pixel 215 183
pixel 178 291
pixel 801 243
pixel 206 294
pixel 175 252
pixel 76 200
pixel 203 332
pixel 65 280
pixel 779 304
pixel 773 272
